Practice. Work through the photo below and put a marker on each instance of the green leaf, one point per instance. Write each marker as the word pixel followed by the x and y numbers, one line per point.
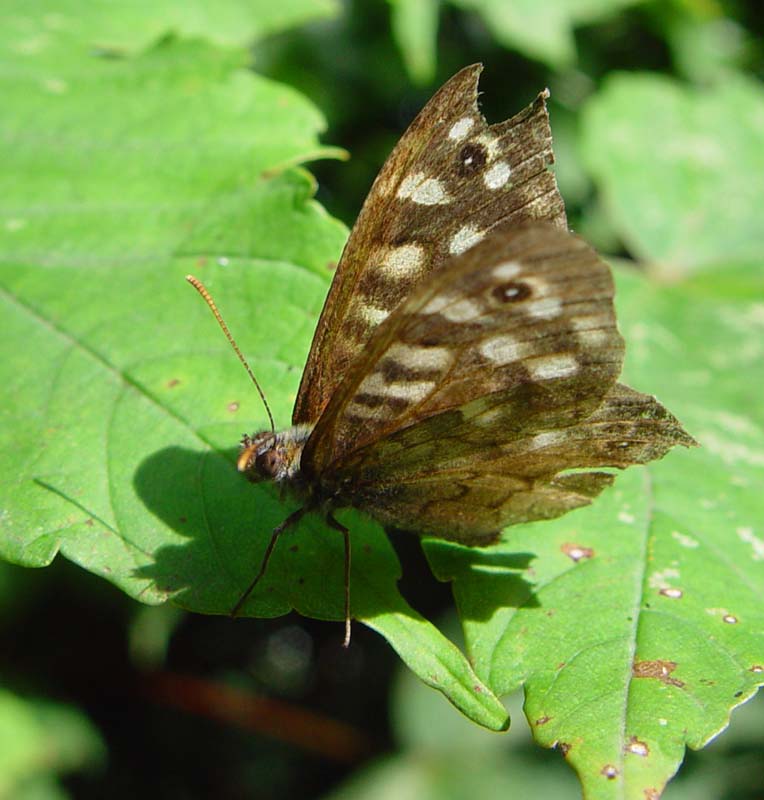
pixel 45 30
pixel 39 740
pixel 730 766
pixel 415 30
pixel 706 47
pixel 119 435
pixel 677 168
pixel 145 158
pixel 543 31
pixel 639 624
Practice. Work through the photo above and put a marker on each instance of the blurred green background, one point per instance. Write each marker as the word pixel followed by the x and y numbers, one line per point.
pixel 103 697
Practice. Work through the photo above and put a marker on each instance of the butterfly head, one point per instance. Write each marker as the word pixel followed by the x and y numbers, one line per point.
pixel 269 456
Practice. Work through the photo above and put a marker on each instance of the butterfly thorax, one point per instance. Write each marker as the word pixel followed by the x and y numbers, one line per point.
pixel 269 456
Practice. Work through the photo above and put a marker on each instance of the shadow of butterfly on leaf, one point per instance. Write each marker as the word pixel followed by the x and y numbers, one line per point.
pixel 205 503
pixel 465 366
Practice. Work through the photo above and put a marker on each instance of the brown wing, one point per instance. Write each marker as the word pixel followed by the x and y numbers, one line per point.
pixel 520 328
pixel 450 180
pixel 466 480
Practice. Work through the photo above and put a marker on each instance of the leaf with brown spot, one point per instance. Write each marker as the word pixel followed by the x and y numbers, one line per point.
pixel 657 669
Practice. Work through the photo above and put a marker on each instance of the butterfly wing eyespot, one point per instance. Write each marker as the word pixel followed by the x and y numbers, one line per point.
pixel 471 160
pixel 511 292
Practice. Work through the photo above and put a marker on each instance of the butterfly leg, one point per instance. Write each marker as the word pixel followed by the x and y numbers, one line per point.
pixel 338 526
pixel 291 520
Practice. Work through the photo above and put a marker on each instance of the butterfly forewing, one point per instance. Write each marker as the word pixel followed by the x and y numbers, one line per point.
pixel 518 334
pixel 451 180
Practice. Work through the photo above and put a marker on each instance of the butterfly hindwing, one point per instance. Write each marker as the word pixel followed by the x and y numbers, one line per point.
pixel 471 506
pixel 452 477
pixel 450 180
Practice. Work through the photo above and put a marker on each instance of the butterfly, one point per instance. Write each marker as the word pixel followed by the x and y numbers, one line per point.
pixel 467 355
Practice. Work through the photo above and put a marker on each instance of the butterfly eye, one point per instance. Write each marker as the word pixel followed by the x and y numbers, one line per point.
pixel 268 463
pixel 512 291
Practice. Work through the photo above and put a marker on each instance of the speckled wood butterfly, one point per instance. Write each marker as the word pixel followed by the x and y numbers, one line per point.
pixel 467 354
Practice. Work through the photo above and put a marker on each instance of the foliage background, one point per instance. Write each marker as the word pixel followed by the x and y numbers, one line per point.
pixel 105 696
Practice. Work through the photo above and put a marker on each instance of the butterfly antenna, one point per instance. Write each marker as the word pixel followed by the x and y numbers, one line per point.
pixel 201 288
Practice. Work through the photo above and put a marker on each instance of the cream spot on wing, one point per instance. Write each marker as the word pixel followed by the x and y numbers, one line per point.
pixel 592 338
pixel 588 321
pixel 489 417
pixel 467 236
pixel 423 190
pixel 546 308
pixel 462 310
pixel 373 315
pixel 540 286
pixel 430 193
pixel 409 183
pixel 413 357
pixel 556 366
pixel 507 270
pixel 438 303
pixel 413 391
pixel 592 329
pixel 503 349
pixel 497 176
pixel 547 439
pixel 461 128
pixel 402 261
pixel 384 185
pixel 491 144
